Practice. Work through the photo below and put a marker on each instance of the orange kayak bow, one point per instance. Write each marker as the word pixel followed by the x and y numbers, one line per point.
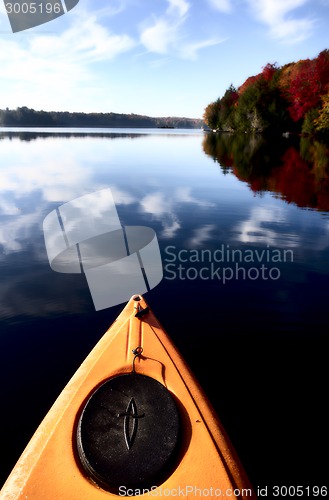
pixel 132 421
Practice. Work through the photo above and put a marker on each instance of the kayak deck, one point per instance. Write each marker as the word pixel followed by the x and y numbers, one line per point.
pixel 133 405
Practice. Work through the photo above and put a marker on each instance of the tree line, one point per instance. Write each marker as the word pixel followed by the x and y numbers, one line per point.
pixel 27 117
pixel 294 98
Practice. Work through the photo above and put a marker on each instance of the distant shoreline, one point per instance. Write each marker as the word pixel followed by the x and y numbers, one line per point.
pixel 96 127
pixel 25 117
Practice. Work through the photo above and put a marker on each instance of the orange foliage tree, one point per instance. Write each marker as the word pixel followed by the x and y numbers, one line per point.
pixel 276 98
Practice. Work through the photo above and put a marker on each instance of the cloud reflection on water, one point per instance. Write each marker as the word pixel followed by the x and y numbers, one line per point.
pixel 264 226
pixel 186 200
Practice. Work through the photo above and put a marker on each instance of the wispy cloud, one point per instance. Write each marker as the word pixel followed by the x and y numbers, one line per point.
pixel 184 195
pixel 222 5
pixel 178 6
pixel 156 204
pixel 277 15
pixel 110 9
pixel 261 227
pixel 86 41
pixel 161 36
pixel 60 178
pixel 13 232
pixel 190 51
pixel 201 235
pixel 163 208
pixel 122 197
pixel 167 34
pixel 39 69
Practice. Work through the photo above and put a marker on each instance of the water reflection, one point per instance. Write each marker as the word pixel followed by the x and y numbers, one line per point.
pixel 85 235
pixel 201 235
pixel 47 320
pixel 38 176
pixel 164 207
pixel 162 181
pixel 295 170
pixel 266 226
pixel 29 136
pixel 34 133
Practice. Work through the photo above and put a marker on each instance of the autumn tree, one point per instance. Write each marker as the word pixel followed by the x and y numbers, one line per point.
pixel 261 107
pixel 292 98
pixel 322 121
pixel 304 84
pixel 210 115
pixel 303 90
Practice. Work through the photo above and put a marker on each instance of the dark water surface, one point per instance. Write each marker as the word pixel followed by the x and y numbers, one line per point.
pixel 243 228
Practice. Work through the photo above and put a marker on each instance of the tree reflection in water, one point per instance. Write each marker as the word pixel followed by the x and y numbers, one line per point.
pixel 294 169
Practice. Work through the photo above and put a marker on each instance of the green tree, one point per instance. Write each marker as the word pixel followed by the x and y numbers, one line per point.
pixel 261 108
pixel 211 113
pixel 226 111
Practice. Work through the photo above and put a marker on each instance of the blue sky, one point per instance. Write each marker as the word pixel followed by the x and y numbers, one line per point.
pixel 153 57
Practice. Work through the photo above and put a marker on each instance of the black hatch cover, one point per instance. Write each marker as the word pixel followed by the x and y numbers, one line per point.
pixel 128 433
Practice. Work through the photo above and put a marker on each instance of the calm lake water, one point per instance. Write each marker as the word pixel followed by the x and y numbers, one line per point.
pixel 243 229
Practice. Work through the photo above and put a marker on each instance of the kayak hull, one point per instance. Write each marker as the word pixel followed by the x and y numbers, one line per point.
pixel 205 463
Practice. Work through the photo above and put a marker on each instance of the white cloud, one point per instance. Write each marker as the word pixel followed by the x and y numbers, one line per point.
pixel 201 235
pixel 271 11
pixel 256 228
pixel 160 37
pixel 170 228
pixel 8 208
pixel 178 6
pixel 191 50
pixel 156 203
pixel 293 31
pixel 222 5
pixel 109 9
pixel 183 194
pixel 41 70
pixel 52 174
pixel 122 197
pixel 163 209
pixel 167 34
pixel 87 40
pixel 15 230
pixel 61 177
pixel 276 14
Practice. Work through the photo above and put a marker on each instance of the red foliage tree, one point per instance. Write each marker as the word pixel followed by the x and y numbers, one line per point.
pixel 269 71
pixel 309 80
pixel 250 81
pixel 267 74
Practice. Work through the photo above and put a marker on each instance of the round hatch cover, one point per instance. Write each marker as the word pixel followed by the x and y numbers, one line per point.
pixel 128 432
